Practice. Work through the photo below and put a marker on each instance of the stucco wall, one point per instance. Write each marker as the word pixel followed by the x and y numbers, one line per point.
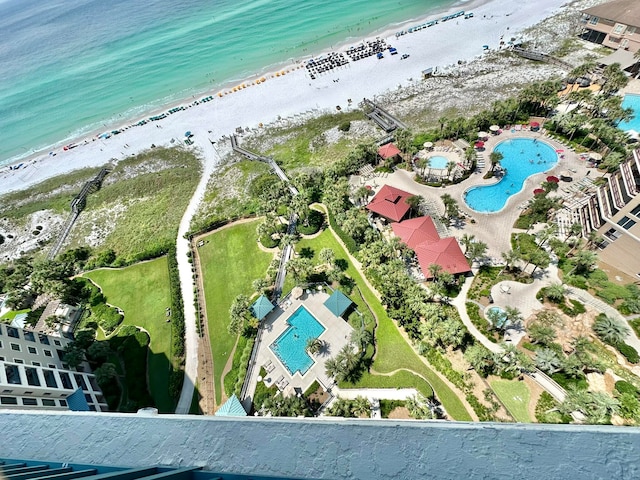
pixel 326 449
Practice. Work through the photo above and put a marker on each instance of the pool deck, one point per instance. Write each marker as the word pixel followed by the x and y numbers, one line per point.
pixel 336 335
pixel 492 228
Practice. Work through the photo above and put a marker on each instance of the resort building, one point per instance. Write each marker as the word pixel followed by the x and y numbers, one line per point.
pixel 613 210
pixel 390 203
pixel 420 234
pixel 33 374
pixel 614 24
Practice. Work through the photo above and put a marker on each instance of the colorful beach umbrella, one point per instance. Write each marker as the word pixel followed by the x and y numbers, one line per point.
pixel 479 144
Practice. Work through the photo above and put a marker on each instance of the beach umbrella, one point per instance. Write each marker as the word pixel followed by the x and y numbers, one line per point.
pixel 428 144
pixel 494 128
pixel 482 134
pixel 188 134
pixel 535 124
pixel 479 145
pixel 538 191
pixel 553 179
pixel 296 292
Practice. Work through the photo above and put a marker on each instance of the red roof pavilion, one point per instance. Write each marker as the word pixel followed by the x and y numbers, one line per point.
pixel 391 203
pixel 388 151
pixel 446 253
pixel 416 231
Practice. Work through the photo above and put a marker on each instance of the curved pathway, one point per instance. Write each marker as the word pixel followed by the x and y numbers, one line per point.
pixel 211 160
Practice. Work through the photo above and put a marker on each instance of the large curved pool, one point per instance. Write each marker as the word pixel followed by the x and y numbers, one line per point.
pixel 523 157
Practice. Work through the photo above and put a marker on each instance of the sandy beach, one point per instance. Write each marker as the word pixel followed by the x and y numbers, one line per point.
pixel 295 94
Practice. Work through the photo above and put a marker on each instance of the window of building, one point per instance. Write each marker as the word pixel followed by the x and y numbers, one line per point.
pixel 32 350
pixel 36 364
pixel 8 400
pixel 0 344
pixel 13 374
pixel 16 347
pixel 630 30
pixel 60 354
pixel 50 378
pixel 18 360
pixel 32 376
pixel 80 381
pixel 94 384
pixel 28 393
pixel 29 401
pixel 1 359
pixel 92 408
pixel 47 353
pixel 88 398
pixel 57 342
pixel 63 403
pixel 6 390
pixel 48 402
pixel 66 381
pixel 43 339
pixel 619 28
pixel 51 365
pixel 0 329
pixel 612 234
pixel 636 211
pixel 626 223
pixel 594 20
pixel 100 399
pixel 13 332
pixel 29 336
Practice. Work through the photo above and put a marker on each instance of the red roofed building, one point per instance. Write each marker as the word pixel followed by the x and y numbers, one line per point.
pixel 390 203
pixel 416 231
pixel 446 253
pixel 388 151
pixel 421 236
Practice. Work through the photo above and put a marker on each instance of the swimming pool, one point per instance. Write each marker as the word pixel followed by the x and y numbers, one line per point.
pixel 632 102
pixel 523 157
pixel 291 346
pixel 501 320
pixel 438 161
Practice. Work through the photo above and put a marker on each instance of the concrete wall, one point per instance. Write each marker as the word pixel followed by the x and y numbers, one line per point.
pixel 326 449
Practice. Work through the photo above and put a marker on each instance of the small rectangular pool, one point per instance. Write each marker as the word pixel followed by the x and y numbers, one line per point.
pixel 291 346
pixel 632 102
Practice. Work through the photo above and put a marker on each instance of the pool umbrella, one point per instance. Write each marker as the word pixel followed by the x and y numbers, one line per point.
pixel 535 124
pixel 494 128
pixel 188 134
pixel 482 134
pixel 595 156
pixel 538 191
pixel 296 292
pixel 479 144
pixel 553 179
pixel 427 144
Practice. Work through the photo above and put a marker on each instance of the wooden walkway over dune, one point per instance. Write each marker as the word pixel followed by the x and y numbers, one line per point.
pixel 384 119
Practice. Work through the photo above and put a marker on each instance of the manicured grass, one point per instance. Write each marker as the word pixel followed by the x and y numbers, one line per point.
pixel 142 292
pixel 393 351
pixel 230 260
pixel 516 397
pixel 11 314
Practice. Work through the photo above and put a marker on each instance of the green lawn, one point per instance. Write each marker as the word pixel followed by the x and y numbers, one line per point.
pixel 394 353
pixel 516 397
pixel 230 261
pixel 142 291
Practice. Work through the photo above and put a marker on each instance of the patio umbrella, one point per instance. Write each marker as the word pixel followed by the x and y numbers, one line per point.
pixel 427 144
pixel 494 128
pixel 187 133
pixel 296 292
pixel 534 124
pixel 538 191
pixel 479 144
pixel 482 134
pixel 595 156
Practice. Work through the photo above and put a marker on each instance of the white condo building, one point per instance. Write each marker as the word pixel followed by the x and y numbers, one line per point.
pixel 33 375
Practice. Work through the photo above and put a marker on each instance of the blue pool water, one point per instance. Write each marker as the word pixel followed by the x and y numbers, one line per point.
pixel 291 346
pixel 523 157
pixel 502 320
pixel 632 102
pixel 438 162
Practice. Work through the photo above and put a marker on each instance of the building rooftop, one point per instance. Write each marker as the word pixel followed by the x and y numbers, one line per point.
pixel 391 203
pixel 626 12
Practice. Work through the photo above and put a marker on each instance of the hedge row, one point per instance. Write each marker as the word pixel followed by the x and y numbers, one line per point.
pixel 349 242
pixel 243 367
pixel 177 307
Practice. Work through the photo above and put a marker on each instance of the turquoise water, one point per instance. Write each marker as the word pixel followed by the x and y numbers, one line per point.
pixel 502 320
pixel 523 157
pixel 70 67
pixel 438 162
pixel 291 346
pixel 632 102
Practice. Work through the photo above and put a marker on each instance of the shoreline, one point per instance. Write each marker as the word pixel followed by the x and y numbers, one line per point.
pixel 225 86
pixel 485 28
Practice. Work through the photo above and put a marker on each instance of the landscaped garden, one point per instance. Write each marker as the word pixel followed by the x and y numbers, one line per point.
pixel 515 396
pixel 142 292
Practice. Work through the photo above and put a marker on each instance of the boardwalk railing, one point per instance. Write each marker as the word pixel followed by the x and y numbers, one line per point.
pixel 540 57
pixel 384 119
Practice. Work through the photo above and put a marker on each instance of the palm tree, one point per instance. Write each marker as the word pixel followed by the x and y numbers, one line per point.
pixel 548 361
pixel 314 346
pixel 514 315
pixel 434 271
pixel 414 201
pixel 584 262
pixel 540 333
pixel 510 257
pixel 327 256
pixel 334 368
pixel 555 292
pixel 450 166
pixel 610 330
pixel 362 338
pixel 361 406
pixel 105 373
pixel 495 158
pixel 574 231
pixel 467 240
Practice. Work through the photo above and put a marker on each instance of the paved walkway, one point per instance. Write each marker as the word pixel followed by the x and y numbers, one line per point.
pixel 211 160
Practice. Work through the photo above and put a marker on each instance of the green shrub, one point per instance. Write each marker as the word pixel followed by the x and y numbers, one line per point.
pixel 344 126
pixel 565 381
pixel 108 317
pixel 545 410
pixel 388 406
pixel 177 307
pixel 268 242
pixel 630 353
pixel 349 242
pixel 626 387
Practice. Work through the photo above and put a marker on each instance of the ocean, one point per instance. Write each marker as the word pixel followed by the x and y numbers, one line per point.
pixel 70 67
